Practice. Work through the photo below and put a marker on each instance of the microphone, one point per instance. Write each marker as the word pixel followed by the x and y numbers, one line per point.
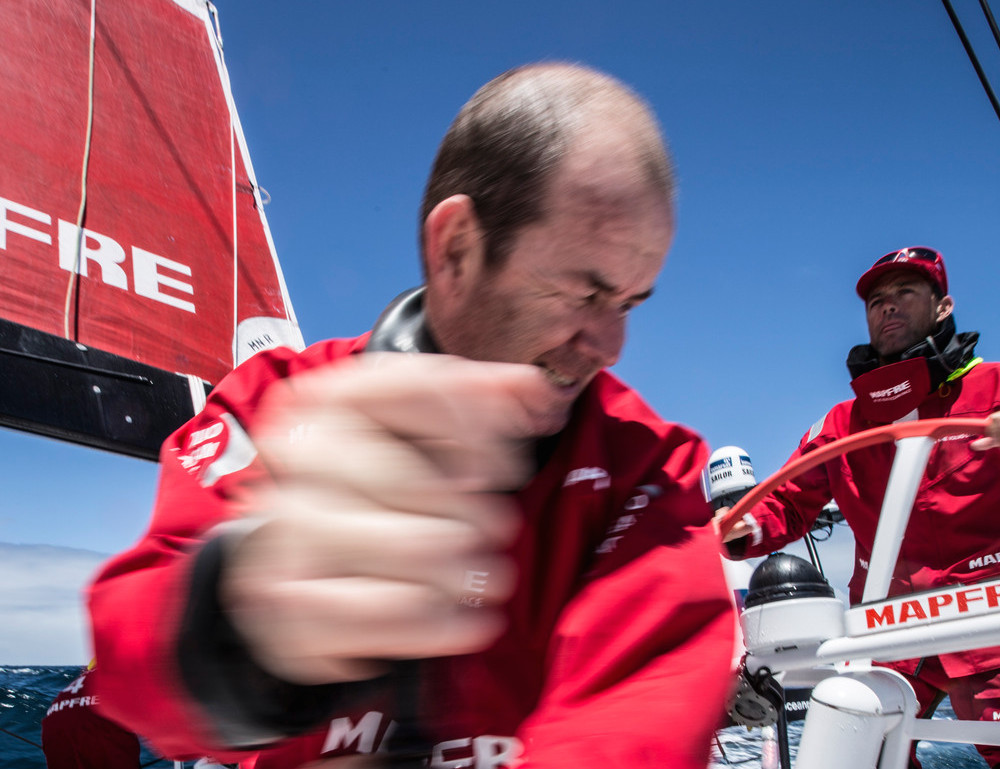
pixel 730 476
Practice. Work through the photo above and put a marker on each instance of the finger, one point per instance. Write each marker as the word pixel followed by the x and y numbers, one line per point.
pixel 427 396
pixel 718 517
pixel 508 399
pixel 991 437
pixel 341 446
pixel 450 555
pixel 449 521
pixel 316 630
pixel 739 530
pixel 391 620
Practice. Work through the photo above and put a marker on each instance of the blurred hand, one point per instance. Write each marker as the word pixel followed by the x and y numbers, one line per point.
pixel 378 536
pixel 991 439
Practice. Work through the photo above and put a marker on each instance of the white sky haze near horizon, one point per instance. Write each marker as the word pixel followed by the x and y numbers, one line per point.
pixel 809 138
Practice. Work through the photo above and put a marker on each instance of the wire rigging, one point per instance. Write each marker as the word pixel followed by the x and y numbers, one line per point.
pixel 990 20
pixel 971 53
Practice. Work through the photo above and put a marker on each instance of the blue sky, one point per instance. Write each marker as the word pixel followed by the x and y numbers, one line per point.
pixel 810 138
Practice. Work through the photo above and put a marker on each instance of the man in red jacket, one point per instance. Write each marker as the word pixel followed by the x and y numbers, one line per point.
pixel 494 557
pixel 915 367
pixel 74 736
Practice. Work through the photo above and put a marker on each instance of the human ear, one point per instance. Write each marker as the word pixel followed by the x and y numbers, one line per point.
pixel 453 241
pixel 945 307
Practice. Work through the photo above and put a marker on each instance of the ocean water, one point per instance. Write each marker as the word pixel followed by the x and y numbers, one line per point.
pixel 25 694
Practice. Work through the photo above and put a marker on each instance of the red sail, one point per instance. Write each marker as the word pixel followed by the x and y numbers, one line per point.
pixel 130 219
pixel 174 254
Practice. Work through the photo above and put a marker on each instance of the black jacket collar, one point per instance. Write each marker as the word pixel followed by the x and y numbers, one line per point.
pixel 402 326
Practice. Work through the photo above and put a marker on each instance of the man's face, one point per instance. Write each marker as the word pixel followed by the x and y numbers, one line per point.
pixel 562 298
pixel 902 310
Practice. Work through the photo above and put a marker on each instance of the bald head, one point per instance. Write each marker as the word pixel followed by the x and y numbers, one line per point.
pixel 506 144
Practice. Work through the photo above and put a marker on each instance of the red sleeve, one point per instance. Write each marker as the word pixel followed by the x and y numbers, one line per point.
pixel 640 663
pixel 789 512
pixel 137 600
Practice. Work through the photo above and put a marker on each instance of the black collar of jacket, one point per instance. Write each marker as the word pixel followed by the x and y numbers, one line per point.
pixel 948 352
pixel 402 326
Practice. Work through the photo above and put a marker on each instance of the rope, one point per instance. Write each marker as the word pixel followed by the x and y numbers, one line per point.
pixel 722 752
pixel 718 744
pixel 82 212
pixel 19 737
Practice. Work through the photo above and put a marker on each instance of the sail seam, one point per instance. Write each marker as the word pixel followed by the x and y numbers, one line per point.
pixel 82 211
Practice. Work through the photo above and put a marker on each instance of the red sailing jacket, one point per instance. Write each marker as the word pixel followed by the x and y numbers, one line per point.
pixel 74 736
pixel 620 633
pixel 954 531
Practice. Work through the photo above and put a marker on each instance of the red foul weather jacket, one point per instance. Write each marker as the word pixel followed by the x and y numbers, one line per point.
pixel 953 534
pixel 74 736
pixel 620 632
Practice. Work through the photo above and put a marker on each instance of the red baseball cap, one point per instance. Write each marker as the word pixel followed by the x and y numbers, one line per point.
pixel 926 261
